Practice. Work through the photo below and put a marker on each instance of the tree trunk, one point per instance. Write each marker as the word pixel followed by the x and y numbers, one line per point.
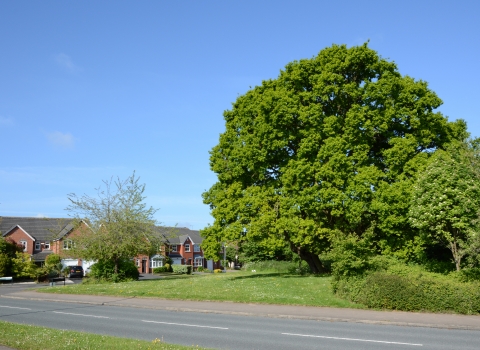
pixel 312 260
pixel 457 256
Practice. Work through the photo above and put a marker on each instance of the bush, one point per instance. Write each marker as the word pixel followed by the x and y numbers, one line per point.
pixel 23 266
pixel 389 291
pixel 468 274
pixel 217 271
pixel 162 269
pixel 200 269
pixel 207 270
pixel 104 270
pixel 185 269
pixel 168 267
pixel 399 286
pixel 53 260
pixel 5 265
pixel 66 270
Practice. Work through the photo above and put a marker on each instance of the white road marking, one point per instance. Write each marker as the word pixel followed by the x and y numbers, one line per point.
pixel 68 313
pixel 13 307
pixel 183 324
pixel 353 339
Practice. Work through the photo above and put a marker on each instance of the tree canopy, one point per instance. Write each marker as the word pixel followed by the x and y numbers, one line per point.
pixel 446 200
pixel 331 147
pixel 116 225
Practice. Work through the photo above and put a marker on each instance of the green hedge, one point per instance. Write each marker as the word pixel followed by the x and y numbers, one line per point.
pixel 386 290
pixel 187 269
pixel 161 269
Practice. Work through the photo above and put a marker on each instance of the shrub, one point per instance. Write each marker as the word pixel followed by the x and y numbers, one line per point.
pixel 468 274
pixel 207 270
pixel 66 270
pixel 168 267
pixel 22 266
pixel 217 271
pixel 398 286
pixel 200 269
pixel 161 269
pixel 184 269
pixel 104 270
pixel 276 266
pixel 389 291
pixel 53 260
pixel 5 264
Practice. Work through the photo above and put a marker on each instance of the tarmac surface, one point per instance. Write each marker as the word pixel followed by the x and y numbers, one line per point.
pixel 400 318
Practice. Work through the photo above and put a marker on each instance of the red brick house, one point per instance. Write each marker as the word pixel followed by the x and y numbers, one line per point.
pixel 41 237
pixel 182 245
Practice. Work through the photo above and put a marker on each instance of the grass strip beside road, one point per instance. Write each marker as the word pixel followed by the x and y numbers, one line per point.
pixel 20 336
pixel 241 287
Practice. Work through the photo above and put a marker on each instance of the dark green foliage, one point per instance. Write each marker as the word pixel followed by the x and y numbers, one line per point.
pixel 331 147
pixel 8 249
pixel 389 291
pixel 162 269
pixel 469 274
pixel 231 254
pixel 200 269
pixel 390 284
pixel 105 270
pixel 349 256
pixel 184 269
pixel 257 251
pixel 5 265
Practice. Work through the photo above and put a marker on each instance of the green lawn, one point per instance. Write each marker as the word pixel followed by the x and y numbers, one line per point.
pixel 21 336
pixel 242 287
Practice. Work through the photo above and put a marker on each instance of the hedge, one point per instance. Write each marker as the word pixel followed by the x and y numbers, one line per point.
pixel 187 269
pixel 415 292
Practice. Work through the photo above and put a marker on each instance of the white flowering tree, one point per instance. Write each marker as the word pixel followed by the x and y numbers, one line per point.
pixel 446 200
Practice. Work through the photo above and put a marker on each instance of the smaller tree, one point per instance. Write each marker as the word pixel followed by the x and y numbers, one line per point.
pixel 116 225
pixel 8 249
pixel 446 199
pixel 23 266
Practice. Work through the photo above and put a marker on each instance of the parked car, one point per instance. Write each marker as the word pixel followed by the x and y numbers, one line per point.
pixel 75 272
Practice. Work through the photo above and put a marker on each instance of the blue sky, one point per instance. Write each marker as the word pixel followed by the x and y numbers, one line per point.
pixel 91 90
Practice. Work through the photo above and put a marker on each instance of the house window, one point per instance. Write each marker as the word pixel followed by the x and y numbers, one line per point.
pixel 37 245
pixel 196 248
pixel 67 244
pixel 47 245
pixel 187 247
pixel 174 248
pixel 138 262
pixel 156 262
pixel 198 262
pixel 24 245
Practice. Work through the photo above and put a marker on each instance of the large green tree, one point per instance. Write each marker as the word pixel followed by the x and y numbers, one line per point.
pixel 116 225
pixel 446 200
pixel 330 147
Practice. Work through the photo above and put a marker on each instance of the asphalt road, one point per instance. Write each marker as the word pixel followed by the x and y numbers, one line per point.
pixel 223 331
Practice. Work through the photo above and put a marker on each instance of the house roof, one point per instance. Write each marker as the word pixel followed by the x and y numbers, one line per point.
pixel 42 229
pixel 178 235
pixel 49 229
pixel 41 256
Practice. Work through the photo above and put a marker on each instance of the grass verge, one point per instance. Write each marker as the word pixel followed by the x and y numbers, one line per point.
pixel 241 287
pixel 21 336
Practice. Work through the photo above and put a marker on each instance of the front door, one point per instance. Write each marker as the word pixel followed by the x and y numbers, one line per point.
pixel 144 265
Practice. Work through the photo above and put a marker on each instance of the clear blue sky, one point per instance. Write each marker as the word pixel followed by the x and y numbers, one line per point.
pixel 94 89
